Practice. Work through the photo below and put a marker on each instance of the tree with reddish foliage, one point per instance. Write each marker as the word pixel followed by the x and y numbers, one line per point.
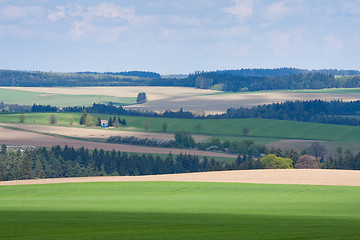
pixel 307 161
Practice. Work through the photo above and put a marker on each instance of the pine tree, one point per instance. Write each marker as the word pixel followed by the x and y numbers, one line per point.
pixel 25 170
pixel 83 118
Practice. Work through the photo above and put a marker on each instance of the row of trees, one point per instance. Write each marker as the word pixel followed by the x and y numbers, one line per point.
pixel 52 79
pixel 231 80
pixel 69 162
pixel 333 112
pixel 256 82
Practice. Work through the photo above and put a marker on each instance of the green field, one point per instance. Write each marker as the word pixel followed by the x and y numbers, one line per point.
pixel 330 90
pixel 259 128
pixel 169 210
pixel 11 96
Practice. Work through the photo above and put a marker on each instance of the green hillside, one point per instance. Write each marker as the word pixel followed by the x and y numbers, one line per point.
pixel 12 96
pixel 169 210
pixel 259 128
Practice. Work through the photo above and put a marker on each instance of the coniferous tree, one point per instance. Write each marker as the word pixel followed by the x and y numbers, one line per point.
pixel 83 118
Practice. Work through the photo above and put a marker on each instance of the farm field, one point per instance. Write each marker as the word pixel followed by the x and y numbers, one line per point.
pixel 22 138
pixel 99 133
pixel 219 102
pixel 168 98
pixel 24 97
pixel 278 133
pixel 178 210
pixel 267 176
pixel 280 129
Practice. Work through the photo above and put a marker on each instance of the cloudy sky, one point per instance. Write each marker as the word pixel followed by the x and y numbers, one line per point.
pixel 178 36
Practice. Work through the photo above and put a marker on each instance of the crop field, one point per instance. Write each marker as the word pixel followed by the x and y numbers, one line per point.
pixel 22 97
pixel 268 128
pixel 23 138
pixel 166 98
pixel 280 133
pixel 178 210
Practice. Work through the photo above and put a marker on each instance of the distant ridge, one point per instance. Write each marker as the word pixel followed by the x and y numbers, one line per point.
pixel 262 72
pixel 256 79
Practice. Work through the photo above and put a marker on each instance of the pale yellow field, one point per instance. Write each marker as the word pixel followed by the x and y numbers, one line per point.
pixel 268 176
pixel 201 101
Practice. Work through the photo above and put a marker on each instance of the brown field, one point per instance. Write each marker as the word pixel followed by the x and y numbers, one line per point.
pixel 203 101
pixel 22 138
pixel 268 176
pixel 98 133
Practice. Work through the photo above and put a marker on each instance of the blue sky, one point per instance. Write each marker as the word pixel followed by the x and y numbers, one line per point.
pixel 178 36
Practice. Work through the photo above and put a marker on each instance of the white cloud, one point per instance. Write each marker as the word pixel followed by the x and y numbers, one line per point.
pixel 78 29
pixel 59 14
pixel 277 10
pixel 242 9
pixel 109 10
pixel 85 20
pixel 13 12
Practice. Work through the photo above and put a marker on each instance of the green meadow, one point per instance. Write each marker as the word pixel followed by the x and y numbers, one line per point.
pixel 268 129
pixel 178 210
pixel 12 96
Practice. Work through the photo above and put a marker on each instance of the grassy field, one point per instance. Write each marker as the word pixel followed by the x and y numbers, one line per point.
pixel 330 90
pixel 259 128
pixel 170 210
pixel 12 96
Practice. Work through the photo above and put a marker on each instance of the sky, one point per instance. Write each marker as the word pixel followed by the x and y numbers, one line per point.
pixel 178 36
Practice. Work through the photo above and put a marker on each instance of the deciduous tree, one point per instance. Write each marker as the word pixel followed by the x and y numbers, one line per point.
pixel 245 131
pixel 271 161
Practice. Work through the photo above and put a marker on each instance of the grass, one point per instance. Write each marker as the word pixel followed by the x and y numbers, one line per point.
pixel 268 129
pixel 330 90
pixel 11 96
pixel 169 210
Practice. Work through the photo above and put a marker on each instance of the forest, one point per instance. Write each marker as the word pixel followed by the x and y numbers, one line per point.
pixel 226 80
pixel 58 162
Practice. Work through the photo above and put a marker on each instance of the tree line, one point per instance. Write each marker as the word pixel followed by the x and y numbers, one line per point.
pixel 227 80
pixel 58 162
pixel 318 111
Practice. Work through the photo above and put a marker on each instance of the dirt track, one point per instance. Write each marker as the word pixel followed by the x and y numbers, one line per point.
pixel 14 137
pixel 269 176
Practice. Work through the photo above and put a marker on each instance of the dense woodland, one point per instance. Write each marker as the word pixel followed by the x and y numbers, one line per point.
pixel 333 112
pixel 59 162
pixel 52 79
pixel 227 80
pixel 69 162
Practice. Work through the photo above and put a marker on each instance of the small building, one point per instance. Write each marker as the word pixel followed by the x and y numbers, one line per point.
pixel 104 123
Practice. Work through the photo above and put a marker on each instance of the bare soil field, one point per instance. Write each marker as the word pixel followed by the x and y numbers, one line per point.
pixel 152 93
pixel 268 176
pixel 203 101
pixel 98 133
pixel 21 138
pixel 213 104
